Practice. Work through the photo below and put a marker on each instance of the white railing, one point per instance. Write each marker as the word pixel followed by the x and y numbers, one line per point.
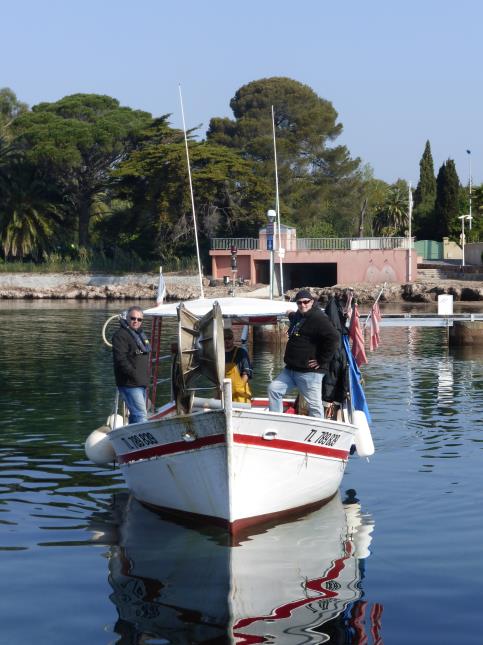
pixel 315 243
pixel 241 243
pixel 351 243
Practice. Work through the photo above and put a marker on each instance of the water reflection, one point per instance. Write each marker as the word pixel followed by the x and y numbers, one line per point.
pixel 297 582
pixel 426 383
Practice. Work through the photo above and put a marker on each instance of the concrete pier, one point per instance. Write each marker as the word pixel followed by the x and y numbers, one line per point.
pixel 466 332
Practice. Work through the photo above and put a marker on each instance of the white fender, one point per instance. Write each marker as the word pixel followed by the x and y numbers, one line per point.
pixel 114 421
pixel 362 436
pixel 98 447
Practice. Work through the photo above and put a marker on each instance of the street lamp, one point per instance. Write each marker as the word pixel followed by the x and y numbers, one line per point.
pixel 410 217
pixel 462 218
pixel 468 152
pixel 271 216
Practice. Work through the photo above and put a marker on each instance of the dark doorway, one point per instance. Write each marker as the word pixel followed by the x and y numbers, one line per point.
pixel 262 271
pixel 299 275
pixel 309 275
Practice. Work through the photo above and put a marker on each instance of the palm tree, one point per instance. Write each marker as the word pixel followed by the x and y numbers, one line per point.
pixel 28 224
pixel 392 217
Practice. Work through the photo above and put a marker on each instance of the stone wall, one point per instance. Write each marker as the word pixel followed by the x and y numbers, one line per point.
pixel 473 253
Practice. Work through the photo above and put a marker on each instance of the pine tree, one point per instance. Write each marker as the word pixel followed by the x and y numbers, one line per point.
pixel 447 200
pixel 425 196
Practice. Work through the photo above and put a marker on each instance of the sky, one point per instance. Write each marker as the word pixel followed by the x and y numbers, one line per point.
pixel 398 73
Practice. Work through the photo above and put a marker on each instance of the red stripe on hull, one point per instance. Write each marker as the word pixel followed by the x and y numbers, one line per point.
pixel 293 446
pixel 241 439
pixel 170 448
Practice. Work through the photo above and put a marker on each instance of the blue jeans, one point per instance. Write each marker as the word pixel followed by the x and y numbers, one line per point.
pixel 309 384
pixel 135 399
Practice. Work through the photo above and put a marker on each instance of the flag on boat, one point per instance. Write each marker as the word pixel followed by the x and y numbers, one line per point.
pixel 355 334
pixel 347 310
pixel 161 288
pixel 375 320
pixel 358 398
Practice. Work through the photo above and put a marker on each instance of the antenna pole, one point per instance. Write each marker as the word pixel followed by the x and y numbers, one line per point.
pixel 277 207
pixel 192 195
pixel 410 217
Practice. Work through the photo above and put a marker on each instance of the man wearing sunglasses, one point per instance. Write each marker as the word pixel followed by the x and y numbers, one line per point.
pixel 312 341
pixel 130 349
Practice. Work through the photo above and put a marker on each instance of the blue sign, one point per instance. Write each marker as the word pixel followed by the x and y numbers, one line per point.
pixel 270 243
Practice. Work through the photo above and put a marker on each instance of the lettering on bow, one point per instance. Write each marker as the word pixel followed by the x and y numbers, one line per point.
pixel 322 437
pixel 140 440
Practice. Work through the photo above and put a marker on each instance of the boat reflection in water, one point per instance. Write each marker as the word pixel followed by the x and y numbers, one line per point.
pixel 296 582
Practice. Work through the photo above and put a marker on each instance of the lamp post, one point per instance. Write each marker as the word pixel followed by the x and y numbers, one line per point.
pixel 462 218
pixel 271 216
pixel 234 268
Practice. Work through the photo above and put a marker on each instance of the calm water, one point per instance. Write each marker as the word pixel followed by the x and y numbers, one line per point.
pixel 396 560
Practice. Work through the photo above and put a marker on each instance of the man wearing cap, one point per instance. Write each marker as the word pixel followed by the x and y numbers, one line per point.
pixel 312 342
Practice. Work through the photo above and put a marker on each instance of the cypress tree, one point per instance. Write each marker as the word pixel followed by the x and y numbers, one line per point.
pixel 425 196
pixel 447 200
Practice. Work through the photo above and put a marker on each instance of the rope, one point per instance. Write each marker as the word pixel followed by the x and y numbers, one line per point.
pixel 104 338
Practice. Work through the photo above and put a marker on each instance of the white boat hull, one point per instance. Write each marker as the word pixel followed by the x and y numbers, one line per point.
pixel 233 466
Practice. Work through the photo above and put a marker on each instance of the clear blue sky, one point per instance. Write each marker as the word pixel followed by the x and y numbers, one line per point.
pixel 398 73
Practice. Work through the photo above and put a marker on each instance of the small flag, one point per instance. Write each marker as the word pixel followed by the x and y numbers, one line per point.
pixel 347 311
pixel 375 320
pixel 355 334
pixel 161 288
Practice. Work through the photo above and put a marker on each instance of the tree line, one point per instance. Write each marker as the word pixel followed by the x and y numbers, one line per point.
pixel 87 178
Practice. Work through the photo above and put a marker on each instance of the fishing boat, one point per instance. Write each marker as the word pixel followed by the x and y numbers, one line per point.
pixel 288 583
pixel 203 454
pixel 232 463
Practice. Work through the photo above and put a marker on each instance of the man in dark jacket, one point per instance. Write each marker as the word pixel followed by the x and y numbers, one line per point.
pixel 131 355
pixel 312 342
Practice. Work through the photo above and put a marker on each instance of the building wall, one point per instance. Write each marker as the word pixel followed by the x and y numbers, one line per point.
pixel 372 266
pixel 222 265
pixel 451 250
pixel 473 253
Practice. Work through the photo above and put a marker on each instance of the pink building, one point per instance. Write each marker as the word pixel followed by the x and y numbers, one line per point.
pixel 316 262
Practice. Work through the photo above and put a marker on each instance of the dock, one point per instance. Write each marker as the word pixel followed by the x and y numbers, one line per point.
pixel 424 320
pixel 463 329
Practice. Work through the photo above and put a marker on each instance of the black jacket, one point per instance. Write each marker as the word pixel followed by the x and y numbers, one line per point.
pixel 335 386
pixel 311 335
pixel 130 363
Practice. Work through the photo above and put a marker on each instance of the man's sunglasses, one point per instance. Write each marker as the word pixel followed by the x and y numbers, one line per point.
pixel 303 302
pixel 133 318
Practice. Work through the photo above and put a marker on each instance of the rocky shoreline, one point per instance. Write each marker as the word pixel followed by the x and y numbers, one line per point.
pixel 181 287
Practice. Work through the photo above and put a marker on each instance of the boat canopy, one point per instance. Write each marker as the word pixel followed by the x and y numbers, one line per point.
pixel 243 309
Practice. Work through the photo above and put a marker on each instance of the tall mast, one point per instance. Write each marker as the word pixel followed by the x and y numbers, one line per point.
pixel 200 273
pixel 470 218
pixel 277 208
pixel 410 217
